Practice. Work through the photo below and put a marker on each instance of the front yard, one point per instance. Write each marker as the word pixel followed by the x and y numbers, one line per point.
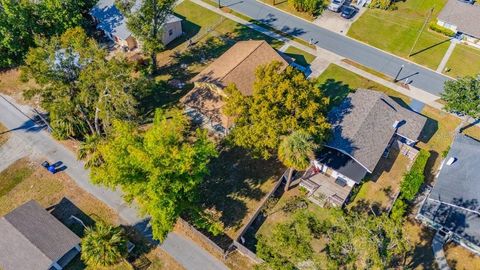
pixel 395 31
pixel 301 57
pixel 287 7
pixel 465 60
pixel 3 134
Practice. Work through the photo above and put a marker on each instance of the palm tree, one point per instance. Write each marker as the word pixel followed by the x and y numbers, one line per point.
pixel 103 245
pixel 88 151
pixel 296 151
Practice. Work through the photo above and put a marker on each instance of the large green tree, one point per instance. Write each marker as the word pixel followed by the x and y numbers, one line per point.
pixel 21 20
pixel 82 90
pixel 160 168
pixel 463 96
pixel 282 102
pixel 103 245
pixel 296 151
pixel 146 20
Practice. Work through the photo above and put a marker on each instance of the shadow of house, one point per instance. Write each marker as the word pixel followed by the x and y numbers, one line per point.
pixel 453 203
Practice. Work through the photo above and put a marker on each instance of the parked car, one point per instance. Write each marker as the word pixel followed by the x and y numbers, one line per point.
pixel 348 12
pixel 335 5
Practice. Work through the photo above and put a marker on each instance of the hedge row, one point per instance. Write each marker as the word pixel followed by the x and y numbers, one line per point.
pixel 411 184
pixel 440 29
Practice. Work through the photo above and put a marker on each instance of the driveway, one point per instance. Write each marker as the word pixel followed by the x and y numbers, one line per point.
pixel 420 77
pixel 30 138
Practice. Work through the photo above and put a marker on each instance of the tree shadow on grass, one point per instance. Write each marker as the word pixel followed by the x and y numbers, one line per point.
pixel 422 255
pixel 234 186
pixel 337 91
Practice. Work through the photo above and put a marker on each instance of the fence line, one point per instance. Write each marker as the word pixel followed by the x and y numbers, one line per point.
pixel 208 243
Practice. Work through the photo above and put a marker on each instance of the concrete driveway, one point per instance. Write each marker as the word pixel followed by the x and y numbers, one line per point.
pixel 335 23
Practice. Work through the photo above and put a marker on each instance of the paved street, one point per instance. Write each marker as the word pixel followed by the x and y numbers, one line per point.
pixel 30 138
pixel 368 56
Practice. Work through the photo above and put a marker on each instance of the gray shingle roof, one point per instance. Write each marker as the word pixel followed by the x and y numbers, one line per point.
pixel 454 201
pixel 465 16
pixel 31 238
pixel 112 20
pixel 363 125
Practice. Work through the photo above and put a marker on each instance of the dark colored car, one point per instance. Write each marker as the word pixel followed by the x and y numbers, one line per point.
pixel 348 12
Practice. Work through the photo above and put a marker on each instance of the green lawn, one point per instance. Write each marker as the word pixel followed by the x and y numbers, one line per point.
pixel 302 58
pixel 395 31
pixel 285 6
pixel 465 60
pixel 337 82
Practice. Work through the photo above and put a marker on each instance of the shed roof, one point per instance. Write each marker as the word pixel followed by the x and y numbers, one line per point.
pixel 112 20
pixel 454 201
pixel 463 15
pixel 238 64
pixel 31 238
pixel 363 125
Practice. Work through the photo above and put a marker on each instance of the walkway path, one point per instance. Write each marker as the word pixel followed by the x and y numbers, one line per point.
pixel 437 247
pixel 381 61
pixel 31 138
pixel 447 55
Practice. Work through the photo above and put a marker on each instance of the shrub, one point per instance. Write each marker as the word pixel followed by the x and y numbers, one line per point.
pixel 398 210
pixel 413 180
pixel 313 7
pixel 382 4
pixel 440 29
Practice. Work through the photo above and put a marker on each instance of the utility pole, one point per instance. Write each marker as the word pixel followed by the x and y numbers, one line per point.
pixel 219 5
pixel 421 30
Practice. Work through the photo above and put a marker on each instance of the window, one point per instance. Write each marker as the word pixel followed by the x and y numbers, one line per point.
pixel 170 32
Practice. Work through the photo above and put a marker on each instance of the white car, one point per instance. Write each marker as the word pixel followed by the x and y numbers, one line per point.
pixel 335 5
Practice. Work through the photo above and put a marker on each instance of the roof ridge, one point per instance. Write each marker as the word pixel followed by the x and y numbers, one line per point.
pixel 243 60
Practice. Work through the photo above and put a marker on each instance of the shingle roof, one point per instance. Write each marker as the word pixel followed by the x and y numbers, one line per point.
pixel 238 64
pixel 113 21
pixel 455 197
pixel 363 125
pixel 341 163
pixel 465 16
pixel 31 238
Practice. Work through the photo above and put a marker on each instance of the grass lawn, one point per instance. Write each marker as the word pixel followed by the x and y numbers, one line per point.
pixel 465 60
pixel 301 57
pixel 460 258
pixel 337 82
pixel 285 6
pixel 420 237
pixel 10 84
pixel 380 188
pixel 3 136
pixel 236 185
pixel 395 31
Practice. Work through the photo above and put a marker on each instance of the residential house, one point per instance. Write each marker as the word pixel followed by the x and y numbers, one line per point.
pixel 112 22
pixel 31 238
pixel 236 66
pixel 462 18
pixel 364 127
pixel 453 203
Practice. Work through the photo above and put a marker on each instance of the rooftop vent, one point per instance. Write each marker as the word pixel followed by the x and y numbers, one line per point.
pixel 451 161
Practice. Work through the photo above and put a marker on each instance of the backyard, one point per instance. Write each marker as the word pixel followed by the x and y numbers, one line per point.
pixel 26 180
pixel 465 60
pixel 395 31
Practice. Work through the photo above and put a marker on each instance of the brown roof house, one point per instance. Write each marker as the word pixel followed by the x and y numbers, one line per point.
pixel 32 239
pixel 236 66
pixel 462 18
pixel 364 127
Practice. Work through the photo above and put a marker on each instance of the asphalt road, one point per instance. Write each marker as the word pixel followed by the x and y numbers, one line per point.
pixel 34 139
pixel 368 56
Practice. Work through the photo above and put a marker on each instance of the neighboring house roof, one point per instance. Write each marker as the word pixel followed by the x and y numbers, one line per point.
pixel 238 64
pixel 31 238
pixel 341 163
pixel 454 201
pixel 111 20
pixel 363 125
pixel 464 16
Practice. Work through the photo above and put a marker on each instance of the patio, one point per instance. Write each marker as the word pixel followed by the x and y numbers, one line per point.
pixel 325 190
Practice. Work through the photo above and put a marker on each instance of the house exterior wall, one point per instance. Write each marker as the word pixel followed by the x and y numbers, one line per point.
pixel 447 25
pixel 333 173
pixel 171 31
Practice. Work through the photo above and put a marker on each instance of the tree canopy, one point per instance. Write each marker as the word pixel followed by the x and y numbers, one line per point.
pixel 21 21
pixel 82 90
pixel 146 22
pixel 463 96
pixel 282 102
pixel 159 168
